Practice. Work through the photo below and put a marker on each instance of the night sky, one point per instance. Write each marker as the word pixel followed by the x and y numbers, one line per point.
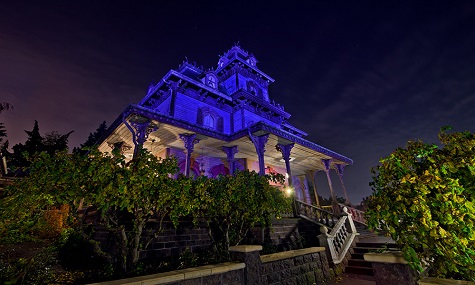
pixel 362 78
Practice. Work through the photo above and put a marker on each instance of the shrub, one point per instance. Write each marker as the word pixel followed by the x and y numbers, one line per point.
pixel 424 196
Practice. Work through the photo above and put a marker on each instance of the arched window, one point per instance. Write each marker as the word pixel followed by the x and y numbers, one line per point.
pixel 208 121
pixel 253 90
pixel 211 81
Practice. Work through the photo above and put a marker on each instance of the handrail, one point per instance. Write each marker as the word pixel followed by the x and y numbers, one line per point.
pixel 357 215
pixel 316 214
pixel 342 229
pixel 340 238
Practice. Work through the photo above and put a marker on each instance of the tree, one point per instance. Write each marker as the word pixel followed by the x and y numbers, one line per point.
pixel 126 194
pixel 4 106
pixel 424 196
pixel 54 141
pixel 92 139
pixel 3 132
pixel 35 143
pixel 235 203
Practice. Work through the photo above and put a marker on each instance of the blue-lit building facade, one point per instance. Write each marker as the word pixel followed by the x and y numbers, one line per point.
pixel 221 120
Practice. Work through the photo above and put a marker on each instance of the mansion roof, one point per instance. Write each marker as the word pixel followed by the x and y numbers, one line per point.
pixel 223 106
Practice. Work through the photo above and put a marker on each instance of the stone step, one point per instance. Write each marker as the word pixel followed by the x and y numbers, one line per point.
pixel 362 249
pixel 375 245
pixel 359 263
pixel 358 255
pixel 367 271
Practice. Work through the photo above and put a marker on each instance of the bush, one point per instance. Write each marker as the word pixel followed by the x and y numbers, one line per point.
pixel 424 196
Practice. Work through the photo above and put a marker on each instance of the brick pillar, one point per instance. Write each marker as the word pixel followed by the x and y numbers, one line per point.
pixel 249 254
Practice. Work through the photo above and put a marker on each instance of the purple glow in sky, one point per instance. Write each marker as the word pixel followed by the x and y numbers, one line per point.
pixel 361 78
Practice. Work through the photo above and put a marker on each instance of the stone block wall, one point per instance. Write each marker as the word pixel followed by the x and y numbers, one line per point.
pixel 174 241
pixel 286 234
pixel 303 266
pixel 229 273
pixel 171 242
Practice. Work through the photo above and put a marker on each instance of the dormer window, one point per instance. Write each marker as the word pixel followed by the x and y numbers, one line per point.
pixel 254 89
pixel 222 61
pixel 252 60
pixel 211 81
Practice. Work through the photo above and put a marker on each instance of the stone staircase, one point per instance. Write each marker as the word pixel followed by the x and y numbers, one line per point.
pixel 368 241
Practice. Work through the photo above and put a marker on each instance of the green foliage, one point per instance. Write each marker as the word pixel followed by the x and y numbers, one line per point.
pixel 128 194
pixel 139 189
pixel 424 197
pixel 233 204
pixel 37 269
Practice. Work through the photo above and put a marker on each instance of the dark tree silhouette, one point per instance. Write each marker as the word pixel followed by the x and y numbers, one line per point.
pixel 91 139
pixel 35 143
pixel 3 132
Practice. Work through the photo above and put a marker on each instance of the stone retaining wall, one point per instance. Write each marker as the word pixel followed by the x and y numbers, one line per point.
pixel 171 242
pixel 285 235
pixel 303 266
pixel 228 273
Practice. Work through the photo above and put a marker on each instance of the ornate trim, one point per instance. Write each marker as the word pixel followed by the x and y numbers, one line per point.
pixel 189 141
pixel 285 150
pixel 135 109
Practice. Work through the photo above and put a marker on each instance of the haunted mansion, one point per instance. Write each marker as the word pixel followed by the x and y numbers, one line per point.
pixel 221 120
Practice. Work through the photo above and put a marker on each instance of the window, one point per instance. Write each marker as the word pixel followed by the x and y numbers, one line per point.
pixel 208 121
pixel 211 81
pixel 253 90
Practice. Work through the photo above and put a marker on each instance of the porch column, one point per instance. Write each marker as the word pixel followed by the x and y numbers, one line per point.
pixel 326 164
pixel 230 152
pixel 311 177
pixel 189 141
pixel 285 150
pixel 304 186
pixel 140 127
pixel 260 144
pixel 339 170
